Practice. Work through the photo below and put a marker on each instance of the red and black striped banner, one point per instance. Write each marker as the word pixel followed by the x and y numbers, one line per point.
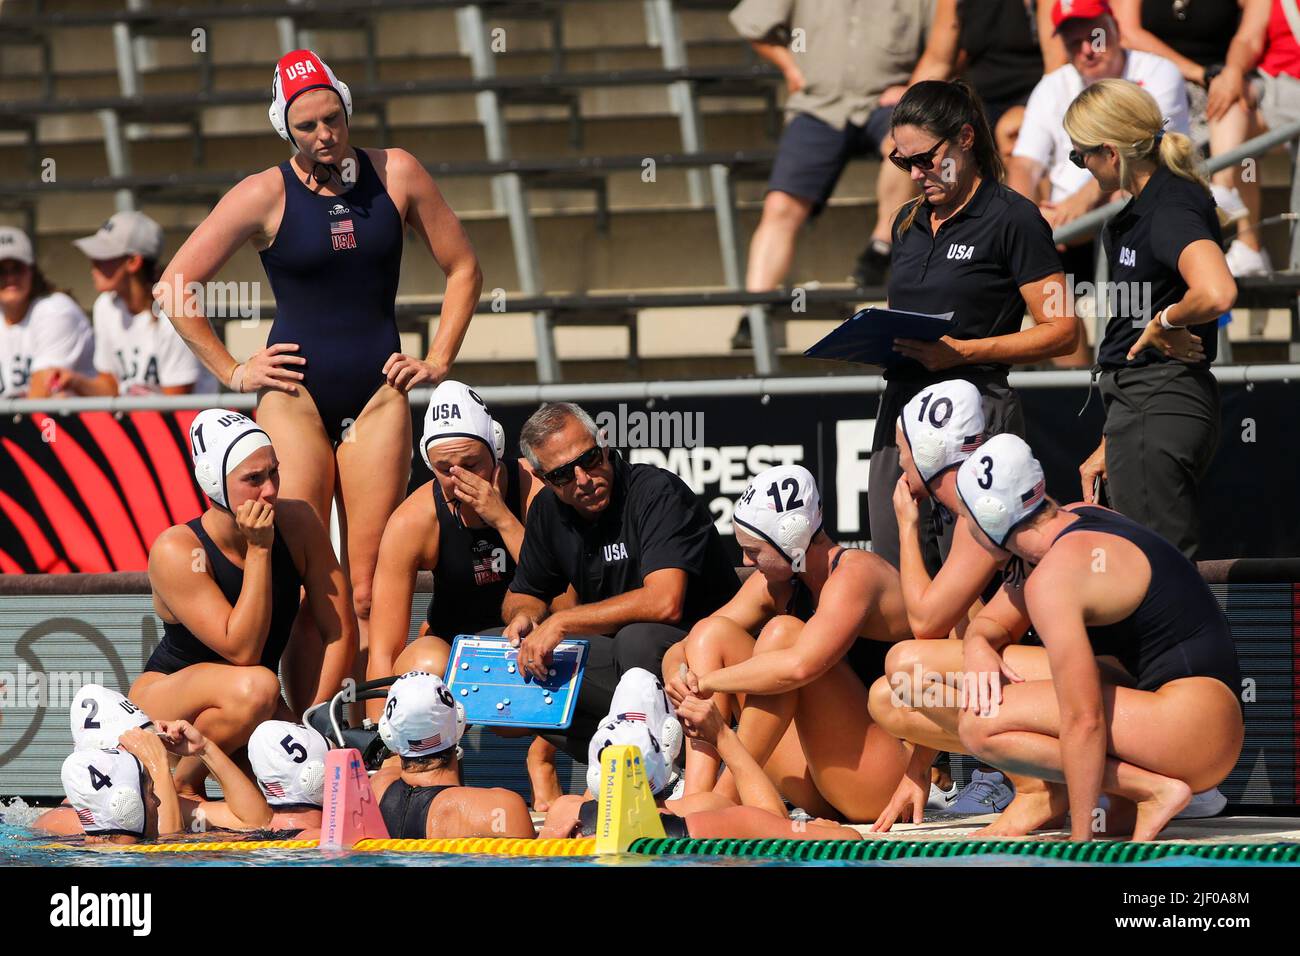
pixel 90 492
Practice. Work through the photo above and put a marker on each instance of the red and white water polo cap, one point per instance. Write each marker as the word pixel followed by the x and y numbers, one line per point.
pixel 295 74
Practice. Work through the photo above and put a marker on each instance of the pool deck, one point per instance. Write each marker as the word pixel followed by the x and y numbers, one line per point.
pixel 1226 829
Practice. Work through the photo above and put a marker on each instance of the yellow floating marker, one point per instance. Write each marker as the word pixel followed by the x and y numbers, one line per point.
pixel 626 810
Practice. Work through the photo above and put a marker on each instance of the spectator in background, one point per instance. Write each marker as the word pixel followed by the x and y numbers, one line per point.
pixel 999 54
pixel 999 48
pixel 1195 38
pixel 43 331
pixel 1268 40
pixel 845 64
pixel 135 352
pixel 1054 54
pixel 1092 38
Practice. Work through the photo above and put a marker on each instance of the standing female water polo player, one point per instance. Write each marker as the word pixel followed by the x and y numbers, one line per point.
pixel 1103 584
pixel 972 247
pixel 826 617
pixel 332 381
pixel 226 586
pixel 1162 401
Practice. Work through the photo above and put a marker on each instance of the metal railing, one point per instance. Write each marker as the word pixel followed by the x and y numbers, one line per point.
pixel 620 391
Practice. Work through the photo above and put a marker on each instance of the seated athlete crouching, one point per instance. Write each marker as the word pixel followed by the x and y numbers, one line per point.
pixel 1102 584
pixel 424 799
pixel 825 617
pixel 228 587
pixel 466 526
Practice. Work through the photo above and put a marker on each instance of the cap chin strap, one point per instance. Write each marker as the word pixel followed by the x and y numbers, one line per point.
pixel 331 172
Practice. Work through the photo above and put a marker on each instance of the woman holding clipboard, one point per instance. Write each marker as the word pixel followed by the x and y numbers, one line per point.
pixel 974 247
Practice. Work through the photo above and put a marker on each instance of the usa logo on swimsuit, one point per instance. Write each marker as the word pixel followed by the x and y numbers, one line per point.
pixel 342 236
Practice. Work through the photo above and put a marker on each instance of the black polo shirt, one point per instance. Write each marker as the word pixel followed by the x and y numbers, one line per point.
pixel 653 521
pixel 973 267
pixel 1143 242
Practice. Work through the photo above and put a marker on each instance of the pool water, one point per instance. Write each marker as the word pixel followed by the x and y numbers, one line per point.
pixel 19 846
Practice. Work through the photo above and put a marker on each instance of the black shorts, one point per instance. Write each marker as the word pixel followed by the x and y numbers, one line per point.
pixel 812 154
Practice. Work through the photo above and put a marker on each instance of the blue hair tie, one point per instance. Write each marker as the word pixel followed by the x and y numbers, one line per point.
pixel 1160 134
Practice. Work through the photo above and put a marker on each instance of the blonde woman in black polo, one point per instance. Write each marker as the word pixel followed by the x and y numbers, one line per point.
pixel 974 247
pixel 1165 250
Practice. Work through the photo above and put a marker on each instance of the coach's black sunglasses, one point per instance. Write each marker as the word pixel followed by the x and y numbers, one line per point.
pixel 1077 155
pixel 920 160
pixel 588 460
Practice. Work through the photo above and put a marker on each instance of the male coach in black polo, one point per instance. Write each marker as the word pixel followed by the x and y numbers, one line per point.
pixel 636 544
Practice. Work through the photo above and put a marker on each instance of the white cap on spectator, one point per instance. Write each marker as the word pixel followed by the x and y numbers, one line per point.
pixel 124 234
pixel 14 244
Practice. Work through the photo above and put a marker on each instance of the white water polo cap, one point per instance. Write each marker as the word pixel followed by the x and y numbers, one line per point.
pixel 420 716
pixel 640 715
pixel 104 787
pixel 783 507
pixel 100 716
pixel 456 411
pixel 498 439
pixel 943 424
pixel 219 440
pixel 295 74
pixel 1002 486
pixel 288 761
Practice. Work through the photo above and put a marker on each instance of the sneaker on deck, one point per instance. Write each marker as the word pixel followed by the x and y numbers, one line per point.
pixel 988 792
pixel 941 799
pixel 1209 803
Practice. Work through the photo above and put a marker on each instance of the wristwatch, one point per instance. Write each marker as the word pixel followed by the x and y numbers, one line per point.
pixel 1211 71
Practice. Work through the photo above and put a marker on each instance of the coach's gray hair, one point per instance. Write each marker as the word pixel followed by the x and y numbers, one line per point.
pixel 548 420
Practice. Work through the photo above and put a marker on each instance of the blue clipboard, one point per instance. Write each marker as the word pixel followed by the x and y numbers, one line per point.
pixel 483 672
pixel 868 337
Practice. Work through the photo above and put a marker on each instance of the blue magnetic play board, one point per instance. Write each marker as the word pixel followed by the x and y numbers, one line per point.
pixel 483 673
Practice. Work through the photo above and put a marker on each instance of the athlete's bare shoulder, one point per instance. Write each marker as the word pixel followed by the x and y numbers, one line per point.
pixel 254 205
pixel 412 530
pixel 173 545
pixel 259 190
pixel 865 567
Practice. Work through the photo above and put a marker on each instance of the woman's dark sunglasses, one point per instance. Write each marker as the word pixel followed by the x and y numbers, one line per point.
pixel 1077 155
pixel 588 460
pixel 920 160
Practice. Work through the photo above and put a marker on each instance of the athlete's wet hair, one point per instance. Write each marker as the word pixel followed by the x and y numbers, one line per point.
pixel 548 420
pixel 942 108
pixel 439 761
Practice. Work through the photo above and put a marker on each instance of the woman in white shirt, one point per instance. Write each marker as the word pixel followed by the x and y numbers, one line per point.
pixel 43 331
pixel 135 352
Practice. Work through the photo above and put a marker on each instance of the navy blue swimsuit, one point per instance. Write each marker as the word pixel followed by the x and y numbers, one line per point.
pixel 179 647
pixel 334 268
pixel 467 587
pixel 1178 630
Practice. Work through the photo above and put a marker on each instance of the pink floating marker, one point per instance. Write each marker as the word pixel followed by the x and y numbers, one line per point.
pixel 351 812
